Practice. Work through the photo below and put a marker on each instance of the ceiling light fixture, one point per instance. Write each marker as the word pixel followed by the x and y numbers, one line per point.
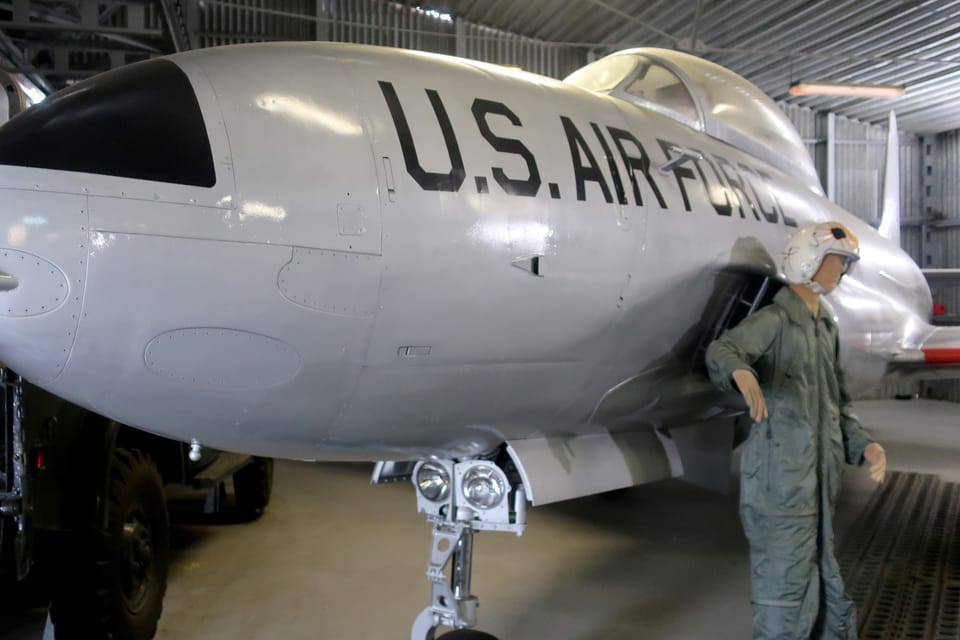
pixel 812 88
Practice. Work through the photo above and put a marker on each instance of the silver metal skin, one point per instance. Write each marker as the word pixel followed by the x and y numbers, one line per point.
pixel 407 256
pixel 318 303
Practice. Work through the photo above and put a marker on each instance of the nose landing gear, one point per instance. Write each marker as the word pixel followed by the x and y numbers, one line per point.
pixel 451 603
pixel 458 498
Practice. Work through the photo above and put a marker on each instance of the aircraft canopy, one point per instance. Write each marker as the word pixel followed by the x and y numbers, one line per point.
pixel 706 97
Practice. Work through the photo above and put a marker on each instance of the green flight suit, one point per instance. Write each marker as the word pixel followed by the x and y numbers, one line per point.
pixel 791 467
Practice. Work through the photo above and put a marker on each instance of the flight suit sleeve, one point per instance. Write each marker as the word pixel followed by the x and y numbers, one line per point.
pixel 855 437
pixel 740 347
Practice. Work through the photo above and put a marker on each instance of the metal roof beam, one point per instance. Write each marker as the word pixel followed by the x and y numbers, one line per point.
pixel 557 17
pixel 18 58
pixel 78 28
pixel 627 35
pixel 634 20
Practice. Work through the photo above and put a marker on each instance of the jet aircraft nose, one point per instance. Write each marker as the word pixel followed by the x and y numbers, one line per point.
pixel 136 132
pixel 43 255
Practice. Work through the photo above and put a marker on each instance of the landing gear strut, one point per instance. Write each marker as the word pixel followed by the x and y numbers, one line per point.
pixel 458 498
pixel 451 603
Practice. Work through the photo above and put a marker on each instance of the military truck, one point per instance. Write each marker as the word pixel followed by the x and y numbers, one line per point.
pixel 83 511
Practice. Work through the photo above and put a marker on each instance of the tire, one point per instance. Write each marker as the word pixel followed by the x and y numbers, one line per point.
pixel 252 487
pixel 466 634
pixel 115 581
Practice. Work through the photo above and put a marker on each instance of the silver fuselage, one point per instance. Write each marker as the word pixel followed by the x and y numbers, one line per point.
pixel 344 290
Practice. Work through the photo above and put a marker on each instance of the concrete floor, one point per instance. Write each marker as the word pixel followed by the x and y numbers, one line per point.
pixel 334 558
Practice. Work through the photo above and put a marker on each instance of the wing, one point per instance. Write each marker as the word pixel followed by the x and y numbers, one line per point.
pixel 936 356
pixel 942 276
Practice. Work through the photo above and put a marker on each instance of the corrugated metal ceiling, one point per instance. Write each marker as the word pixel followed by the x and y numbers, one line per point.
pixel 913 43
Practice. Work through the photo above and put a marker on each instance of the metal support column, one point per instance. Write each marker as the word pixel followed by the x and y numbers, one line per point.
pixel 832 156
pixel 932 203
pixel 460 28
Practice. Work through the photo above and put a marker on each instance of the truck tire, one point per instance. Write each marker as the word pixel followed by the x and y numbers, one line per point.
pixel 115 584
pixel 252 486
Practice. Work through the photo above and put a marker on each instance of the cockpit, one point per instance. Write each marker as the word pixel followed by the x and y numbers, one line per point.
pixel 142 121
pixel 705 97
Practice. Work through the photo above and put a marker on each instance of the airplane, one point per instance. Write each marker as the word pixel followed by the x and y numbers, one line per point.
pixel 497 285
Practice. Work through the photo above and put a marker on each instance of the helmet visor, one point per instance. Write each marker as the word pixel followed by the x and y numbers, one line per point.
pixel 848 259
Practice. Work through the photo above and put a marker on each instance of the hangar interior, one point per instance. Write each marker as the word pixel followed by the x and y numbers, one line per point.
pixel 51 44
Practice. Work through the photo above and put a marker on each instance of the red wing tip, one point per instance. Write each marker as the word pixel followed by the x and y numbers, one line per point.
pixel 934 355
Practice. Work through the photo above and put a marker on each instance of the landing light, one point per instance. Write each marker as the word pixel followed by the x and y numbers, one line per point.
pixel 433 481
pixel 484 487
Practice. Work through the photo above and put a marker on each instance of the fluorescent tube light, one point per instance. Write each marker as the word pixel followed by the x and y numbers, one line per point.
pixel 811 88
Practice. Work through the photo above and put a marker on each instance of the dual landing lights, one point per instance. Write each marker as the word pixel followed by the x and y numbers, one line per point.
pixel 458 499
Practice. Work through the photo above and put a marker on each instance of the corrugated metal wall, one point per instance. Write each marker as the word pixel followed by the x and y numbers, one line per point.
pixel 805 121
pixel 500 47
pixel 379 22
pixel 940 246
pixel 933 199
pixel 222 23
pixel 860 152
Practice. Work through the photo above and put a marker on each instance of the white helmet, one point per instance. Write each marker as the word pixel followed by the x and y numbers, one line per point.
pixel 805 251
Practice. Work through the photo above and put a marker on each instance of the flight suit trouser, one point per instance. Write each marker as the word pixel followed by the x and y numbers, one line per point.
pixel 797 590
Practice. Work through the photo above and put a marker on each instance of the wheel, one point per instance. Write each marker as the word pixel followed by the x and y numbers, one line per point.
pixel 252 486
pixel 114 582
pixel 466 634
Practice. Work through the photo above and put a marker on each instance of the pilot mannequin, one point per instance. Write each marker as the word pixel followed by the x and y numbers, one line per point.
pixel 784 359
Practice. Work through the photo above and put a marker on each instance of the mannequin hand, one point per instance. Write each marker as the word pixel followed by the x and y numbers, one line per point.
pixel 750 388
pixel 877 458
